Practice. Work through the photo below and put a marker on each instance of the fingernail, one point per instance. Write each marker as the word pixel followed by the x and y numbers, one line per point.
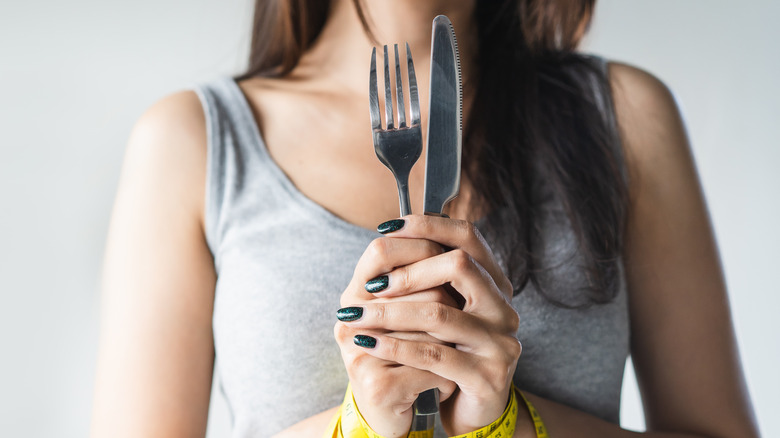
pixel 377 284
pixel 365 341
pixel 349 313
pixel 390 226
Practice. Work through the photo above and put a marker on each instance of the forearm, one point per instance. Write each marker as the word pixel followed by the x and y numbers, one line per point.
pixel 564 421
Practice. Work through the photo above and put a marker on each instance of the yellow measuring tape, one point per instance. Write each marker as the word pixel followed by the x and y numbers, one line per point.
pixel 348 423
pixel 504 427
pixel 541 431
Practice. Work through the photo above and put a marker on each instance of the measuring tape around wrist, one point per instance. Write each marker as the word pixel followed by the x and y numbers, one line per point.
pixel 504 427
pixel 353 425
pixel 348 423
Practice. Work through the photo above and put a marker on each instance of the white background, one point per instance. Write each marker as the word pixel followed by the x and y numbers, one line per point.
pixel 75 75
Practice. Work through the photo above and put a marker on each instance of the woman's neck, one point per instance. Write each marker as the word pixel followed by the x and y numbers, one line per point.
pixel 341 52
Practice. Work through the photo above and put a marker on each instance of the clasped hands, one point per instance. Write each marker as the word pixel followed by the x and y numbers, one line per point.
pixel 415 317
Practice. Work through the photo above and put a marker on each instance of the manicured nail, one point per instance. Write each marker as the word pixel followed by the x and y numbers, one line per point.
pixel 365 341
pixel 349 313
pixel 377 284
pixel 390 226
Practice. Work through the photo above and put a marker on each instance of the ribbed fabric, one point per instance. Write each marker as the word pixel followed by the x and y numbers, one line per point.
pixel 276 250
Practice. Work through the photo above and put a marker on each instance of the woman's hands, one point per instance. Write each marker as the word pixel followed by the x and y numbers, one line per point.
pixel 383 390
pixel 473 347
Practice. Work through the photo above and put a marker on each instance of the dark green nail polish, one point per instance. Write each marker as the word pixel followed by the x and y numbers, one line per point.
pixel 349 313
pixel 390 226
pixel 377 284
pixel 365 341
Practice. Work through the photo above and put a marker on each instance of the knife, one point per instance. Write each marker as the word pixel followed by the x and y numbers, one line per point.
pixel 442 159
pixel 442 167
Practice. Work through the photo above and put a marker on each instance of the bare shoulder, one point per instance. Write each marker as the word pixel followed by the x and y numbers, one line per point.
pixel 640 95
pixel 649 120
pixel 177 120
pixel 167 148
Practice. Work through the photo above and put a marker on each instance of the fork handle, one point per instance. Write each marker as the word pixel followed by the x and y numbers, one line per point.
pixel 403 195
pixel 427 404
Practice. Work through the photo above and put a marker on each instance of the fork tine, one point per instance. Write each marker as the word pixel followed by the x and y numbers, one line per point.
pixel 399 91
pixel 388 95
pixel 414 100
pixel 373 94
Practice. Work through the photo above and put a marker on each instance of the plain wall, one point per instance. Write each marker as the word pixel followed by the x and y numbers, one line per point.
pixel 74 77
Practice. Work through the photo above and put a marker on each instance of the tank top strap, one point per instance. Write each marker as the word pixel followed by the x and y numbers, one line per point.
pixel 234 146
pixel 605 103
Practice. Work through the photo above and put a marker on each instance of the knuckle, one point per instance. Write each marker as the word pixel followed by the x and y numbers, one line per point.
pixel 393 348
pixel 340 332
pixel 351 294
pixel 516 348
pixel 358 361
pixel 461 260
pixel 436 313
pixel 378 250
pixel 431 354
pixel 473 231
pixel 403 279
pixel 510 348
pixel 505 286
pixel 377 246
pixel 425 225
pixel 467 230
pixel 378 313
pixel 512 320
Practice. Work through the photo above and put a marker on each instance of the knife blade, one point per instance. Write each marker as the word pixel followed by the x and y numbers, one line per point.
pixel 444 143
pixel 442 158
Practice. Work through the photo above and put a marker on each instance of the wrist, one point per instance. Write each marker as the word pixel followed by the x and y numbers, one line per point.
pixel 473 418
pixel 375 423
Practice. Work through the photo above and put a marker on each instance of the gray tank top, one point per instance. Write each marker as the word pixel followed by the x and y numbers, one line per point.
pixel 282 262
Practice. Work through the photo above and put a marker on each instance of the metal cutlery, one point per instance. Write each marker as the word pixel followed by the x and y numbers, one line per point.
pixel 399 147
pixel 442 156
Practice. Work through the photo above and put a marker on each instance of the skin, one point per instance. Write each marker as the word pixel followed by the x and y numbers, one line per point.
pixel 485 354
pixel 156 350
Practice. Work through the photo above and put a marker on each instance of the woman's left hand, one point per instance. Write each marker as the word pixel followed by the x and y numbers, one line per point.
pixel 482 350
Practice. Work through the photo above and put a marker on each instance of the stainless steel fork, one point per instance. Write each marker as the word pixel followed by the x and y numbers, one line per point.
pixel 398 148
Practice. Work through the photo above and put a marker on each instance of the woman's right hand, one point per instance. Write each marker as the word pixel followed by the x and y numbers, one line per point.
pixel 385 391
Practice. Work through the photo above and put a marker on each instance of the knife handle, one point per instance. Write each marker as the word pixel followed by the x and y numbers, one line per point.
pixel 425 409
pixel 427 404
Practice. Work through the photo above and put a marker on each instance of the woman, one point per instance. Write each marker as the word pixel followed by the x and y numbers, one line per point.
pixel 246 214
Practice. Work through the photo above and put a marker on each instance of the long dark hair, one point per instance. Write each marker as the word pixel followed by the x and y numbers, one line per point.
pixel 536 118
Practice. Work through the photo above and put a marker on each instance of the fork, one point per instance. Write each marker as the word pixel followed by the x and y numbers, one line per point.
pixel 398 148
